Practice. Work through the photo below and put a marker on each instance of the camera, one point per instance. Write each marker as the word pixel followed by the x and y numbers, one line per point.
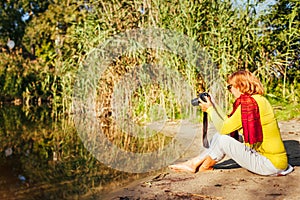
pixel 196 102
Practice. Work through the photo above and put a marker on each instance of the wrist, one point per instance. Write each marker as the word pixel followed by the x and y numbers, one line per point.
pixel 209 109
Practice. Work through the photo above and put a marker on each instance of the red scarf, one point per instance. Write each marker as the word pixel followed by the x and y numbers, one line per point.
pixel 250 119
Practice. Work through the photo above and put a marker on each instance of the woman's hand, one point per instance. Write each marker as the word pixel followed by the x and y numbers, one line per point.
pixel 205 105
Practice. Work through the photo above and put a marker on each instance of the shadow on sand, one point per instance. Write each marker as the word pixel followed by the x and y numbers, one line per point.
pixel 293 151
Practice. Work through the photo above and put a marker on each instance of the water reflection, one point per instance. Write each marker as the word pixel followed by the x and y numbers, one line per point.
pixel 42 158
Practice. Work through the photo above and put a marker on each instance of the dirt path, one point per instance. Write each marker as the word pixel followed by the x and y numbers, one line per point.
pixel 227 181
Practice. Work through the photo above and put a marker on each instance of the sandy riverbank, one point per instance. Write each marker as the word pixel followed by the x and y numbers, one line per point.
pixel 227 181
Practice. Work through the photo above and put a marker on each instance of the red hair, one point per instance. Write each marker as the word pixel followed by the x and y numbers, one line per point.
pixel 246 82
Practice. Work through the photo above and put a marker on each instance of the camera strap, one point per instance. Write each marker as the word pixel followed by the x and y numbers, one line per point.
pixel 205 126
pixel 204 130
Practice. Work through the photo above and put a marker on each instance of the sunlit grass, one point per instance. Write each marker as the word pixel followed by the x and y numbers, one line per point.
pixel 283 108
pixel 284 112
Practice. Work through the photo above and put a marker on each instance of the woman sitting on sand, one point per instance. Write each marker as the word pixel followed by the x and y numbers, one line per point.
pixel 263 151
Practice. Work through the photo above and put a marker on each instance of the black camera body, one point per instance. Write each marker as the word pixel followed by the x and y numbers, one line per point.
pixel 196 102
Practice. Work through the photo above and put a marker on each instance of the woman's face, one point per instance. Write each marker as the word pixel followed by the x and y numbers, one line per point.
pixel 235 91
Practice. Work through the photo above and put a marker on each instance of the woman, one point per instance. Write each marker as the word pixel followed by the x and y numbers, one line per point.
pixel 262 151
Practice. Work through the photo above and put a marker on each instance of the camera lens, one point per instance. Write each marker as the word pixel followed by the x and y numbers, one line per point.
pixel 202 96
pixel 195 102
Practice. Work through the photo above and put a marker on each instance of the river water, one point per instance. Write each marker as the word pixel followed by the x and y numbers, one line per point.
pixel 43 157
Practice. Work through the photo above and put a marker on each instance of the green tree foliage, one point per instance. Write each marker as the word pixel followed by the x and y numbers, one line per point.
pixel 49 33
pixel 33 69
pixel 281 45
pixel 17 71
pixel 52 38
pixel 14 17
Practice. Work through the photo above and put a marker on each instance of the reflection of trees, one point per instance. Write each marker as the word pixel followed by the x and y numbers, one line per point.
pixel 51 157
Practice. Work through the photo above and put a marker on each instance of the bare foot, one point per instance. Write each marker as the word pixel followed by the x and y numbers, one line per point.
pixel 182 167
pixel 189 166
pixel 208 164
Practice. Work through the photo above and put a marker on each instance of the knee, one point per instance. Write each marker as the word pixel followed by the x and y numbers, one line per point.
pixel 224 138
pixel 226 141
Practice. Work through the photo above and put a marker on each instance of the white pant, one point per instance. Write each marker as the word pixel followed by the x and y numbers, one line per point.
pixel 222 145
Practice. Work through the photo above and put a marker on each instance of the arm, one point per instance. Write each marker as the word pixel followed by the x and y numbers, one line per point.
pixel 223 124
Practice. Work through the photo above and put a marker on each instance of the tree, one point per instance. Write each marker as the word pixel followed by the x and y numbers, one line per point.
pixel 282 39
pixel 15 15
